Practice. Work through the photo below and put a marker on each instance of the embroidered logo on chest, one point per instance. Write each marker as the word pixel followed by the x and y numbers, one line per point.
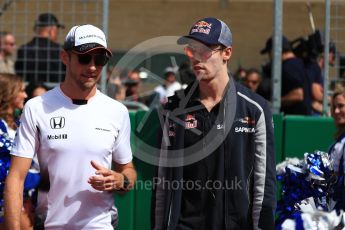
pixel 190 122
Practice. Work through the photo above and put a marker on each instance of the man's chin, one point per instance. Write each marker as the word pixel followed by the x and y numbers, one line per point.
pixel 88 85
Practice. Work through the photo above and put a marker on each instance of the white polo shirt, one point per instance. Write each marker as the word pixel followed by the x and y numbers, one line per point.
pixel 66 138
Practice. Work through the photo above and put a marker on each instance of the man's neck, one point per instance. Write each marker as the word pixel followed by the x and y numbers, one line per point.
pixel 287 55
pixel 321 63
pixel 213 90
pixel 75 92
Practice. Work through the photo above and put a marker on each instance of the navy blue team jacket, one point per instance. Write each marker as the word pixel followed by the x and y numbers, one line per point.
pixel 250 159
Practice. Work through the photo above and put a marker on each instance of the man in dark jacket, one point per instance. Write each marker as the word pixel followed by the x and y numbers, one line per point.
pixel 295 84
pixel 39 59
pixel 217 166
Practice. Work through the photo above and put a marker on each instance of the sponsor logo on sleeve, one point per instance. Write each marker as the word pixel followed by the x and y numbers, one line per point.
pixel 247 125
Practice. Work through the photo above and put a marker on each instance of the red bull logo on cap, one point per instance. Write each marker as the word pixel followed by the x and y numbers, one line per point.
pixel 202 27
pixel 203 24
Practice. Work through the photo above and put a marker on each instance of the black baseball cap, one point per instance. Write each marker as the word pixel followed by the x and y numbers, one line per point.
pixel 48 19
pixel 269 43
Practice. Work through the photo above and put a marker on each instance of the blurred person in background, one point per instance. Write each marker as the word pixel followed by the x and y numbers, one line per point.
pixel 315 70
pixel 253 79
pixel 265 88
pixel 240 74
pixel 134 91
pixel 337 150
pixel 132 83
pixel 39 59
pixel 169 87
pixel 36 89
pixel 186 74
pixel 134 75
pixel 7 49
pixel 115 88
pixel 172 84
pixel 116 91
pixel 12 97
pixel 295 83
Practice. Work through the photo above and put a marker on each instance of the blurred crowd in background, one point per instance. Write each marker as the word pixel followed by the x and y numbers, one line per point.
pixel 302 79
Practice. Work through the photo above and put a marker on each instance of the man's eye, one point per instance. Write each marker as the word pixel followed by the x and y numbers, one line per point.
pixel 340 106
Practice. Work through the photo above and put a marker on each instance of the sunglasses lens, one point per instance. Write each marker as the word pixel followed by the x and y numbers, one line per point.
pixel 202 53
pixel 205 53
pixel 84 58
pixel 101 60
pixel 189 52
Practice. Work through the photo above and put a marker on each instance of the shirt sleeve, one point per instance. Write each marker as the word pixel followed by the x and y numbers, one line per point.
pixel 264 200
pixel 122 153
pixel 26 139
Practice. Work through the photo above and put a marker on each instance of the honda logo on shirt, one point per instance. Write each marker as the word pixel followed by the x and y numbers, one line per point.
pixel 57 122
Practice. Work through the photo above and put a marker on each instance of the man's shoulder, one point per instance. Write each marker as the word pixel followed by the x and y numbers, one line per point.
pixel 111 103
pixel 50 95
pixel 241 91
pixel 39 42
pixel 26 46
pixel 174 101
pixel 250 96
pixel 294 64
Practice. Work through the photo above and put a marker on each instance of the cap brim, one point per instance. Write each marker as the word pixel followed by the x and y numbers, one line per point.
pixel 96 48
pixel 264 50
pixel 61 26
pixel 183 40
pixel 186 39
pixel 43 24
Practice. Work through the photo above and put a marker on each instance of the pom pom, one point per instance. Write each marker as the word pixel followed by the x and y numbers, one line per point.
pixel 310 179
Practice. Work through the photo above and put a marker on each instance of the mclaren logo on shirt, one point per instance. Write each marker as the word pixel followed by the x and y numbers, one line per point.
pixel 57 122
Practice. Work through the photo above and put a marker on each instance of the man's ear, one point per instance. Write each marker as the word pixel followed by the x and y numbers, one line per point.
pixel 227 53
pixel 64 56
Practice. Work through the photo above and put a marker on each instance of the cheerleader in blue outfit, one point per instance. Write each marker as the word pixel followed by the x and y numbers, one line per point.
pixel 337 150
pixel 12 96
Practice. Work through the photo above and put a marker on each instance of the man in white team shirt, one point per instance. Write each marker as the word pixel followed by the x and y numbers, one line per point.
pixel 77 133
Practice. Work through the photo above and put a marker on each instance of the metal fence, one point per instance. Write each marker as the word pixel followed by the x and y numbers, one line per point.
pixel 337 35
pixel 19 16
pixel 333 32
